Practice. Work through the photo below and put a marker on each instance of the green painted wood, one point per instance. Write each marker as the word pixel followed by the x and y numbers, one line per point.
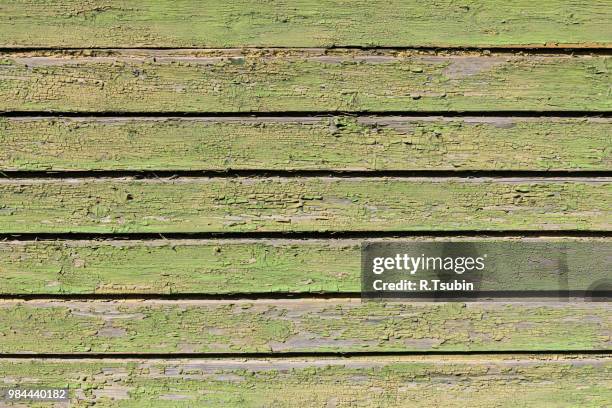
pixel 263 265
pixel 303 23
pixel 300 80
pixel 300 325
pixel 398 381
pixel 302 204
pixel 307 143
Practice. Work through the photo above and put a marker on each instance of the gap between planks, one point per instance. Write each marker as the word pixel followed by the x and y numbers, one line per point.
pixel 502 175
pixel 568 48
pixel 331 356
pixel 309 116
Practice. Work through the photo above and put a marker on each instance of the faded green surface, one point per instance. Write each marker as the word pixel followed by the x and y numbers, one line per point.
pixel 187 266
pixel 297 80
pixel 303 204
pixel 308 143
pixel 301 325
pixel 267 266
pixel 303 23
pixel 301 80
pixel 449 381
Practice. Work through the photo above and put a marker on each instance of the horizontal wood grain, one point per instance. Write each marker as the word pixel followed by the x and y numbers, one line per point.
pixel 260 266
pixel 306 143
pixel 306 80
pixel 305 23
pixel 302 204
pixel 121 86
pixel 398 381
pixel 300 325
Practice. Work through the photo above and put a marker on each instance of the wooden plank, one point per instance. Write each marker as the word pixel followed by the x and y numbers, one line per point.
pixel 299 325
pixel 252 266
pixel 456 381
pixel 302 204
pixel 304 80
pixel 306 143
pixel 305 23
pixel 398 381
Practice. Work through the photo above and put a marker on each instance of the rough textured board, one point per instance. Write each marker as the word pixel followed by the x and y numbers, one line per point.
pixel 478 381
pixel 300 80
pixel 256 266
pixel 303 23
pixel 301 325
pixel 302 204
pixel 307 143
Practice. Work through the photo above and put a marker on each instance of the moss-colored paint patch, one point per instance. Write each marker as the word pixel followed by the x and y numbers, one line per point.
pixel 265 266
pixel 301 80
pixel 303 23
pixel 298 325
pixel 308 143
pixel 451 381
pixel 302 204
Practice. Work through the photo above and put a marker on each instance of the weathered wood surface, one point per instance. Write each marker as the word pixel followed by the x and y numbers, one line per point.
pixel 299 325
pixel 261 266
pixel 306 143
pixel 304 80
pixel 303 204
pixel 303 23
pixel 154 85
pixel 398 381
